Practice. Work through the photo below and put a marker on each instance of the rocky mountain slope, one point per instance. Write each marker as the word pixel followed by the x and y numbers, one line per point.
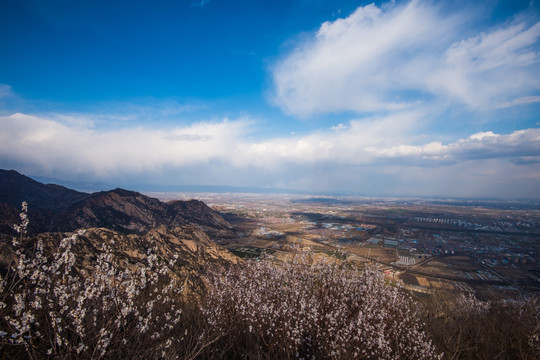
pixel 56 208
pixel 129 223
pixel 187 246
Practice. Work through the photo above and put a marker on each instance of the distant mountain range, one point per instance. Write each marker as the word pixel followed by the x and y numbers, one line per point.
pixel 53 208
pixel 97 186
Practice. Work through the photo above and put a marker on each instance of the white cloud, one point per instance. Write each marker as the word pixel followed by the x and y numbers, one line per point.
pixel 519 101
pixel 375 58
pixel 491 67
pixel 378 155
pixel 70 146
pixel 484 145
pixel 55 146
pixel 344 144
pixel 340 126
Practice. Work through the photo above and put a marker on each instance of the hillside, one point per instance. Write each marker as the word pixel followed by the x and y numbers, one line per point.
pixel 56 208
pixel 189 245
pixel 44 201
pixel 130 223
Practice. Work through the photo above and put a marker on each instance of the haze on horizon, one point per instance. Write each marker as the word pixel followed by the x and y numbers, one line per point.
pixel 415 98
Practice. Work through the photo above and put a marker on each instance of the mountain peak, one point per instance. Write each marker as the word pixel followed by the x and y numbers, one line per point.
pixel 124 192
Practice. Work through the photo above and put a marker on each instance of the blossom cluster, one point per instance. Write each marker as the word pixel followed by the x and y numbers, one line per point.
pixel 317 309
pixel 468 304
pixel 53 306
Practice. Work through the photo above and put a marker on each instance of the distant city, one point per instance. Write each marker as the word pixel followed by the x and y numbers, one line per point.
pixel 487 247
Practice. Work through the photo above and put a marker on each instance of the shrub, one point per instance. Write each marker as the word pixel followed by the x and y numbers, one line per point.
pixel 51 307
pixel 312 309
pixel 465 327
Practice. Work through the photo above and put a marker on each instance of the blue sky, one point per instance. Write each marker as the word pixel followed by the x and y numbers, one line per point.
pixel 411 98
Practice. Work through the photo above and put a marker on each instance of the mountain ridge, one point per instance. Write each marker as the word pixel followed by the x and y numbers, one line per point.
pixel 53 208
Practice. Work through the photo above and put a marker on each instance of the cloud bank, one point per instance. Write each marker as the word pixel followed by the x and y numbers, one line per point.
pixel 214 152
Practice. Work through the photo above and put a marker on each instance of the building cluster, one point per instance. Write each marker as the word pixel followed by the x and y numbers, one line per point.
pixel 496 226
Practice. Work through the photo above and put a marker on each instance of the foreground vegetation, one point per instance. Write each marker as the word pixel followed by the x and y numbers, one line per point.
pixel 51 307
